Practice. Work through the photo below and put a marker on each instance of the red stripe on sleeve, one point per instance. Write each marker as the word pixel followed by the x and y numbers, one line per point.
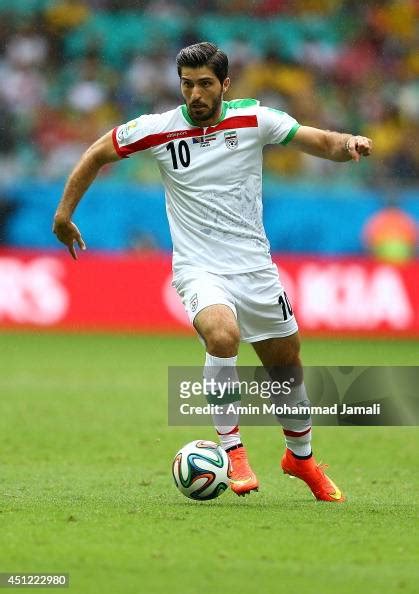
pixel 116 145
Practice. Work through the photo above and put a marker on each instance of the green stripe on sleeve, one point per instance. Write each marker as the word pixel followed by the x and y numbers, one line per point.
pixel 290 134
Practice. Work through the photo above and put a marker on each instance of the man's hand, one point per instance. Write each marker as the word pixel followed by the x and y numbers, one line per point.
pixel 98 154
pixel 358 146
pixel 67 232
pixel 331 145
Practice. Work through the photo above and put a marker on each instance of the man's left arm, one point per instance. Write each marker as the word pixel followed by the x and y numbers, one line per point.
pixel 331 145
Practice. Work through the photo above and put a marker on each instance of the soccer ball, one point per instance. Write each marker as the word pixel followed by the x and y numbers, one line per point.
pixel 201 470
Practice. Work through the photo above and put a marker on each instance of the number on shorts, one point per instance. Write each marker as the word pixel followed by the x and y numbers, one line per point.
pixel 286 306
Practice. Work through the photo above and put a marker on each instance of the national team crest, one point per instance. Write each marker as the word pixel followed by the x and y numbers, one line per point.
pixel 231 139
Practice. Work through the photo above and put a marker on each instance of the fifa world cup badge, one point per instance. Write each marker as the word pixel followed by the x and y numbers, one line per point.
pixel 231 140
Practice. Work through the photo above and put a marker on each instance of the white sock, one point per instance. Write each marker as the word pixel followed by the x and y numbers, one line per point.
pixel 223 370
pixel 299 442
pixel 297 432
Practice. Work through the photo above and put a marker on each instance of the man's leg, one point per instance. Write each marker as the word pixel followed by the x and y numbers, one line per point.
pixel 298 459
pixel 285 352
pixel 218 327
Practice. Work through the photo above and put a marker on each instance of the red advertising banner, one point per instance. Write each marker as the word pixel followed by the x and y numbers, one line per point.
pixel 133 292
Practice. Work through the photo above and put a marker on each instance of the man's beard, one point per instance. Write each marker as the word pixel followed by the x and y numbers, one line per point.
pixel 203 117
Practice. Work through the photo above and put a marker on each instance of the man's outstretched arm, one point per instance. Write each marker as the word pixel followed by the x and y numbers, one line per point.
pixel 98 154
pixel 331 145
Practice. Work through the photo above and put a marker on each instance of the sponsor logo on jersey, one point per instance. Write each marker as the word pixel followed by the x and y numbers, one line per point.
pixel 193 302
pixel 204 140
pixel 231 139
pixel 177 134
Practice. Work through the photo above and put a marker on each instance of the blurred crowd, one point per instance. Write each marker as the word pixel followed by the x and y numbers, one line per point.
pixel 72 69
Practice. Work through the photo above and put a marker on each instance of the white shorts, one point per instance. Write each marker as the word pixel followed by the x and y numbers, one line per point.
pixel 257 299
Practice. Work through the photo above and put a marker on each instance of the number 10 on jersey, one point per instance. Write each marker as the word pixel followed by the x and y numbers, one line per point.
pixel 183 153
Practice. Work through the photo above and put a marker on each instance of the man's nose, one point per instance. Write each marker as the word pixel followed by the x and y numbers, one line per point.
pixel 196 93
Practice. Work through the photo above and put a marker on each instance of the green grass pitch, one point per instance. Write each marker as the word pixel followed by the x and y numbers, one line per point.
pixel 86 487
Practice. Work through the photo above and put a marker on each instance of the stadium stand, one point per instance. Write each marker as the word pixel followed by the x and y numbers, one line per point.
pixel 73 69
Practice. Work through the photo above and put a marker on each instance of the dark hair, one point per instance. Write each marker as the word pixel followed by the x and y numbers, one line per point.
pixel 203 54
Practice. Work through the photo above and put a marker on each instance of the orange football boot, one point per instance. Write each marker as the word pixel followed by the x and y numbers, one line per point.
pixel 242 478
pixel 313 474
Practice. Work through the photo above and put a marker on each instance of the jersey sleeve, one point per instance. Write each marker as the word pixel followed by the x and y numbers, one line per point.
pixel 136 135
pixel 276 127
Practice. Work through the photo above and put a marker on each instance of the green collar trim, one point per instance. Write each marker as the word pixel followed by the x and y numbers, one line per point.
pixel 190 121
pixel 223 111
pixel 186 115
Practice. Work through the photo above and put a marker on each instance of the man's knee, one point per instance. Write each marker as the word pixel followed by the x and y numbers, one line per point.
pixel 218 327
pixel 222 341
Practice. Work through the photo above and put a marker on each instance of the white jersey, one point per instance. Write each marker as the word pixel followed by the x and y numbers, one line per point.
pixel 213 181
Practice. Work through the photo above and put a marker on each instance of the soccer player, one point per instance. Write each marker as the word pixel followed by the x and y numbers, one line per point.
pixel 209 152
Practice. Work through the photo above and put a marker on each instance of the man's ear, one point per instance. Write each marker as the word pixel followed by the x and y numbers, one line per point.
pixel 226 84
